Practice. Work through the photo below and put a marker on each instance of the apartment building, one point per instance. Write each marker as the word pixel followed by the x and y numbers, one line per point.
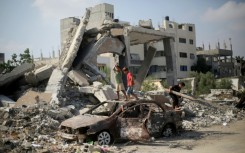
pixel 185 51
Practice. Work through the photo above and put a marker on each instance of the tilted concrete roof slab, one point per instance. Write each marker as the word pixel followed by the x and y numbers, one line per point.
pixel 139 35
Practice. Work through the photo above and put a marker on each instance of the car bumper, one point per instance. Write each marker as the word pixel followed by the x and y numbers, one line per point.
pixel 67 136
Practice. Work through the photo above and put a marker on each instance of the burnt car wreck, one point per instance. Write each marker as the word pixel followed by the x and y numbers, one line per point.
pixel 135 120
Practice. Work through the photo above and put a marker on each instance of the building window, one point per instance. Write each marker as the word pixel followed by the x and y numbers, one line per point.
pixel 135 56
pixel 161 68
pixel 159 54
pixel 156 68
pixel 191 41
pixel 180 26
pixel 183 68
pixel 182 40
pixel 171 25
pixel 183 55
pixel 192 56
pixel 190 28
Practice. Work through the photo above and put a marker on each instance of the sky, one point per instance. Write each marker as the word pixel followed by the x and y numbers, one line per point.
pixel 35 24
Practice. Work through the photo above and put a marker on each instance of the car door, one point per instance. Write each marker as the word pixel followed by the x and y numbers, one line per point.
pixel 131 123
pixel 156 120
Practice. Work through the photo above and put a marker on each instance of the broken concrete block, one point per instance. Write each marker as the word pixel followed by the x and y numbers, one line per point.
pixel 78 77
pixel 105 95
pixel 88 89
pixel 6 102
pixel 56 84
pixel 146 24
pixel 77 39
pixel 39 74
pixel 97 84
pixel 32 97
pixel 117 32
pixel 16 73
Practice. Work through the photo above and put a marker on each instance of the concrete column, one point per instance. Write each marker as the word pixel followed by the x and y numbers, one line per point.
pixel 170 61
pixel 127 51
pixel 144 67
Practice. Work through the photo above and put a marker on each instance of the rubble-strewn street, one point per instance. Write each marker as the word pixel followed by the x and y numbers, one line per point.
pixel 72 103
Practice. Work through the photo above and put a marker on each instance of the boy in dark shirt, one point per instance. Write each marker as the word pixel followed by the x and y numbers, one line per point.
pixel 174 97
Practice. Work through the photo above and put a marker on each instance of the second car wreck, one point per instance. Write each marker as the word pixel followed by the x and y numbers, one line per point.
pixel 135 120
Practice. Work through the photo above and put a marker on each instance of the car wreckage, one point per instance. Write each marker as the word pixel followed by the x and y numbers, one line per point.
pixel 134 120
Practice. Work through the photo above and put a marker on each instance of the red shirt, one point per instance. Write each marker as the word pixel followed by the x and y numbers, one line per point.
pixel 130 79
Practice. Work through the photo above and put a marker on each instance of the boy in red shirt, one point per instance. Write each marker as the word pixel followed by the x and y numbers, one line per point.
pixel 130 83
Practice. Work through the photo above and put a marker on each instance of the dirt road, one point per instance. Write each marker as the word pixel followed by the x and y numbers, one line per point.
pixel 216 139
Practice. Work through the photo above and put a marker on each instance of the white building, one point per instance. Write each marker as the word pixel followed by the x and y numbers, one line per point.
pixel 185 45
pixel 185 51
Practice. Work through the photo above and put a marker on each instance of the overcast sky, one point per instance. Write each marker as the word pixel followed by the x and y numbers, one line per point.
pixel 35 24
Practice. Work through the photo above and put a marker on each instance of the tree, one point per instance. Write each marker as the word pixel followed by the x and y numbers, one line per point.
pixel 25 57
pixel 148 85
pixel 241 60
pixel 205 82
pixel 201 66
pixel 14 62
pixel 224 84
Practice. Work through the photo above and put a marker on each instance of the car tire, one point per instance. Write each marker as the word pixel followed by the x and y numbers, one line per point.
pixel 104 138
pixel 168 130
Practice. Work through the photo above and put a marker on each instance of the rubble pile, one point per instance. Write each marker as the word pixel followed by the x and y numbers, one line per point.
pixel 204 114
pixel 30 128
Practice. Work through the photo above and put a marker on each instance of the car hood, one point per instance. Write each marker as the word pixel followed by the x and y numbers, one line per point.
pixel 82 121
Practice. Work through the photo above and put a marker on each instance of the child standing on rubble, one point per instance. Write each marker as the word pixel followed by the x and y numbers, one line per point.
pixel 130 83
pixel 174 97
pixel 119 84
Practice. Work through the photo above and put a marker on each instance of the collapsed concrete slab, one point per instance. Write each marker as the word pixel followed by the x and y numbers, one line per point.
pixel 78 77
pixel 16 73
pixel 56 84
pixel 6 102
pixel 74 47
pixel 31 98
pixel 103 45
pixel 39 74
pixel 105 95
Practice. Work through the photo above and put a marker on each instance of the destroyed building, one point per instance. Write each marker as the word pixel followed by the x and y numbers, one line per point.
pixel 31 118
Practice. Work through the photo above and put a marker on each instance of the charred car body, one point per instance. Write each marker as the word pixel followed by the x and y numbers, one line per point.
pixel 135 120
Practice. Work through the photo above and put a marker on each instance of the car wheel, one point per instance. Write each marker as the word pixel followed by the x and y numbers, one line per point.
pixel 104 138
pixel 168 131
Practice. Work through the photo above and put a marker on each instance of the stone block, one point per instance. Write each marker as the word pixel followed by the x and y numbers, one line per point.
pixel 39 74
pixel 146 24
pixel 105 95
pixel 97 84
pixel 16 73
pixel 116 32
pixel 78 77
pixel 88 89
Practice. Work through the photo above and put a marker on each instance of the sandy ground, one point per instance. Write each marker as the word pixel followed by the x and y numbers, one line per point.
pixel 215 139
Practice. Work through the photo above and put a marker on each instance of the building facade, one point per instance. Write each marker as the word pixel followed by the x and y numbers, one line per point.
pixel 185 45
pixel 221 62
pixel 185 51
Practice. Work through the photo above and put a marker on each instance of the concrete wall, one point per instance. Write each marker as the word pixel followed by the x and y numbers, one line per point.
pixel 67 30
pixel 99 13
